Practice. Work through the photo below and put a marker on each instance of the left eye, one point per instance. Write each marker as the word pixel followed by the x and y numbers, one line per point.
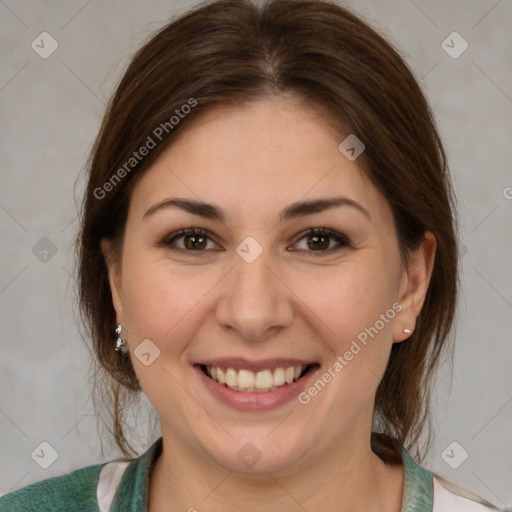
pixel 317 240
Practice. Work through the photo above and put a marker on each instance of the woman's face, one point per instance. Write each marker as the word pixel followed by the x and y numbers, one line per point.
pixel 256 293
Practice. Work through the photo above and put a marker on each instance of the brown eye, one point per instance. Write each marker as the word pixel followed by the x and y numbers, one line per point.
pixel 193 240
pixel 320 240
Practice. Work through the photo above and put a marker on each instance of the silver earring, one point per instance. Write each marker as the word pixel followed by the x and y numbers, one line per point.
pixel 407 331
pixel 121 345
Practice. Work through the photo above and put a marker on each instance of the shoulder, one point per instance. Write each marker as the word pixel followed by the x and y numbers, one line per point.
pixel 427 491
pixel 73 491
pixel 120 484
pixel 451 498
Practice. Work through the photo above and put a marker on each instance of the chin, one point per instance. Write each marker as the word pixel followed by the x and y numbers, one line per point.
pixel 257 452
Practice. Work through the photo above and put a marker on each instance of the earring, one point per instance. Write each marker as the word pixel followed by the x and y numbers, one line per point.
pixel 407 331
pixel 121 345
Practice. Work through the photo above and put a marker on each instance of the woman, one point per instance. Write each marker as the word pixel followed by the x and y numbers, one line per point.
pixel 268 252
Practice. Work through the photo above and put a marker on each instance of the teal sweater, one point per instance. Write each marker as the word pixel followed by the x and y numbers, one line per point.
pixel 77 491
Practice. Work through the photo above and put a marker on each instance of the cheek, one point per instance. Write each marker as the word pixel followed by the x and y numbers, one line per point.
pixel 160 299
pixel 349 298
pixel 164 301
pixel 357 306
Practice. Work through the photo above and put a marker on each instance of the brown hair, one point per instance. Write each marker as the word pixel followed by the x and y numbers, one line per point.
pixel 231 51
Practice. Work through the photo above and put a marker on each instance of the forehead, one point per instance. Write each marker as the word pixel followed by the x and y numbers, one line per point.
pixel 257 157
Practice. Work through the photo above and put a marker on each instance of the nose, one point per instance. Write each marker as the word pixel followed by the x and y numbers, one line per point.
pixel 254 300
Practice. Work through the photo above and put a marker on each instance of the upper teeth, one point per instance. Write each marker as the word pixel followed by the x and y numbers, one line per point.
pixel 248 381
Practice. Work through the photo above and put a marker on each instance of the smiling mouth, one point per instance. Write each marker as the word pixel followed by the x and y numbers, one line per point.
pixel 247 381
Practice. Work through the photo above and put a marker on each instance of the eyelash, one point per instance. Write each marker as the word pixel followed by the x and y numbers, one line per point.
pixel 341 239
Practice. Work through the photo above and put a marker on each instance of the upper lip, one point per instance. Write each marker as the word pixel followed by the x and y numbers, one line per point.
pixel 240 363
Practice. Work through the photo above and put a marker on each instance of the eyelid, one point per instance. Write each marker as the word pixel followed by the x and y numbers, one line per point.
pixel 169 239
pixel 341 239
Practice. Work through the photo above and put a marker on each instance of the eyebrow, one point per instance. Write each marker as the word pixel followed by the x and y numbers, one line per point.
pixel 295 210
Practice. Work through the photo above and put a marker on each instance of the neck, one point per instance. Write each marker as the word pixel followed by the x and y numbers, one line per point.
pixel 350 478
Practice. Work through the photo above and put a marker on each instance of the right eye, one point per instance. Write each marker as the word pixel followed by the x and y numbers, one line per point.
pixel 194 240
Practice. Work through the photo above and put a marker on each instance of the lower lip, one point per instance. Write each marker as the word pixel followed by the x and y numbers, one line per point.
pixel 255 401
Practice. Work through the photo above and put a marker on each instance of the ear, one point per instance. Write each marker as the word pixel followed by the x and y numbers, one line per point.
pixel 414 285
pixel 114 277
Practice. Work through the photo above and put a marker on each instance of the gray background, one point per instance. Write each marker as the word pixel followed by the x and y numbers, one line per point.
pixel 50 110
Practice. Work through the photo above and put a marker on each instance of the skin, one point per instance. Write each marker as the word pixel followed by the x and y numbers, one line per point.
pixel 252 160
